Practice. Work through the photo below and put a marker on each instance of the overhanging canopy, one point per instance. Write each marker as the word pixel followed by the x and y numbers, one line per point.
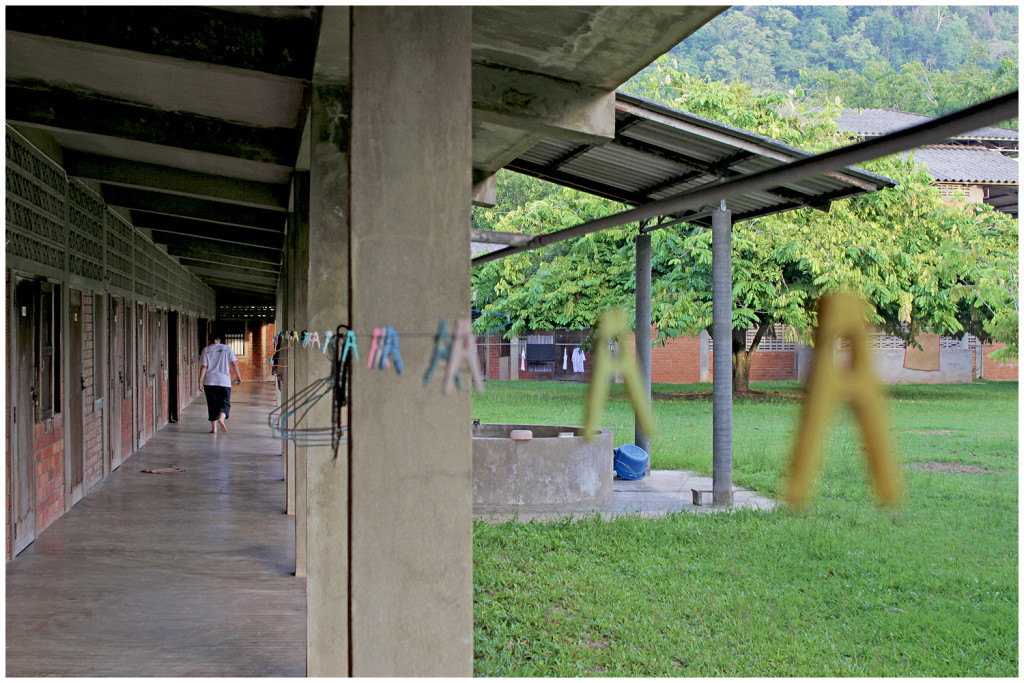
pixel 659 152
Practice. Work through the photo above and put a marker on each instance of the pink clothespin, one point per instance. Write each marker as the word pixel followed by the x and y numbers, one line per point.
pixel 463 349
pixel 375 346
pixel 315 340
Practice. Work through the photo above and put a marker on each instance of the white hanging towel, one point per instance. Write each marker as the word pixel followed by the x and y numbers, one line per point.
pixel 582 357
pixel 565 359
pixel 522 361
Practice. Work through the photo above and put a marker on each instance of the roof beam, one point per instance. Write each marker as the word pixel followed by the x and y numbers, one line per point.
pixel 542 104
pixel 496 237
pixel 206 230
pixel 251 256
pixel 281 45
pixel 35 104
pixel 115 171
pixel 190 207
pixel 229 274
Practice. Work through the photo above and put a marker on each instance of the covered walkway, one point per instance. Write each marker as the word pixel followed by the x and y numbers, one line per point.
pixel 180 574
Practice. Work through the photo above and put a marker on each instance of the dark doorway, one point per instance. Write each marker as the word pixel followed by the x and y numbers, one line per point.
pixel 117 388
pixel 74 426
pixel 99 380
pixel 24 398
pixel 172 366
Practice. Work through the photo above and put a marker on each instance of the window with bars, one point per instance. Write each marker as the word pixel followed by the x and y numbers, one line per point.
pixel 235 336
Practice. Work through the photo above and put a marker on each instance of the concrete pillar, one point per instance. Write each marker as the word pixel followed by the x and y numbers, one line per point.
pixel 300 359
pixel 705 362
pixel 721 302
pixel 642 331
pixel 389 580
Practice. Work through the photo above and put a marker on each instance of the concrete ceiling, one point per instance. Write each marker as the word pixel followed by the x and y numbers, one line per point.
pixel 190 119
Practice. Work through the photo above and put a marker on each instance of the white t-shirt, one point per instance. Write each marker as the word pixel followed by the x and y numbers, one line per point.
pixel 216 359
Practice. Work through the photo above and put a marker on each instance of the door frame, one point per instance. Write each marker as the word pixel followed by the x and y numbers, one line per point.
pixel 74 418
pixel 23 410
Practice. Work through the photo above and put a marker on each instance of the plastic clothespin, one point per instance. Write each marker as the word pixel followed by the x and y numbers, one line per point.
pixel 328 335
pixel 375 345
pixel 463 349
pixel 442 351
pixel 389 348
pixel 315 339
pixel 350 343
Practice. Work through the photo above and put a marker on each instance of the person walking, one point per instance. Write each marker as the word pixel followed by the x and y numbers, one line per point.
pixel 215 378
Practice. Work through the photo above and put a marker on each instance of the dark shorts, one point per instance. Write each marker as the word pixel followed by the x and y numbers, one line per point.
pixel 218 400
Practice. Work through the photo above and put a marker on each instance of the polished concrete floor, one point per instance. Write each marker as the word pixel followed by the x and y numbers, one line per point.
pixel 183 574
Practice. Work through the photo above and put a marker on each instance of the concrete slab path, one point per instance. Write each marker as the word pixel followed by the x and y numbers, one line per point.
pixel 184 574
pixel 657 494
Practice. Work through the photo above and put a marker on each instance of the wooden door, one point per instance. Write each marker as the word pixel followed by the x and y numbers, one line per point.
pixel 116 386
pixel 24 394
pixel 74 425
pixel 100 370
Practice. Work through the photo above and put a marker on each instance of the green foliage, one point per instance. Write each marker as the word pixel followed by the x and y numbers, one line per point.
pixel 768 47
pixel 841 589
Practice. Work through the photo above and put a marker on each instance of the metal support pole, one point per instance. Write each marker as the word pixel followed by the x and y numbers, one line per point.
pixel 721 330
pixel 642 331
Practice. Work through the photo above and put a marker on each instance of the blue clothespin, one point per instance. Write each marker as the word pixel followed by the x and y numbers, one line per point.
pixel 442 351
pixel 390 348
pixel 350 343
pixel 304 340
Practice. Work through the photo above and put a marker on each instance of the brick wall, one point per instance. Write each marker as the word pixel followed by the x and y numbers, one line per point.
pixel 770 366
pixel 677 362
pixel 49 447
pixel 255 365
pixel 993 369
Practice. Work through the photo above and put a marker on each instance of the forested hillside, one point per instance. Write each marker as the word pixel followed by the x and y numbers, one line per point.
pixel 925 59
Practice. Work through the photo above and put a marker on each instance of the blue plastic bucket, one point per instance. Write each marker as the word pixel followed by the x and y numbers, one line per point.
pixel 630 461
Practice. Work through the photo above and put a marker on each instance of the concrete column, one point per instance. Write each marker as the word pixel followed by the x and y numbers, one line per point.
pixel 705 362
pixel 721 301
pixel 283 322
pixel 299 358
pixel 389 581
pixel 642 331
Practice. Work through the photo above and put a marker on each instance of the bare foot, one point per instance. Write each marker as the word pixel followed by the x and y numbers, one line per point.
pixel 213 428
pixel 221 423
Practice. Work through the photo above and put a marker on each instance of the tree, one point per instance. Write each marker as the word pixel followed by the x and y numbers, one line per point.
pixel 919 263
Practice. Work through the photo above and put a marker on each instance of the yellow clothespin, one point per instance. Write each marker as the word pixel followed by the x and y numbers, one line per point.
pixel 842 316
pixel 463 349
pixel 613 326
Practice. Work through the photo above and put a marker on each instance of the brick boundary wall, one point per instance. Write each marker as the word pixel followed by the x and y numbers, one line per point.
pixel 996 370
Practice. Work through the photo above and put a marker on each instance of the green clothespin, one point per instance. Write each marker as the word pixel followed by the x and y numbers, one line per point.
pixel 613 326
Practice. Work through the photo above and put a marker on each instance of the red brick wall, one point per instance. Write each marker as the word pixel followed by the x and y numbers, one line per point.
pixel 772 366
pixel 993 369
pixel 49 446
pixel 677 362
pixel 255 365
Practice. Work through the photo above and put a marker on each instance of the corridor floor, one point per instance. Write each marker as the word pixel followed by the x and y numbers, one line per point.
pixel 183 574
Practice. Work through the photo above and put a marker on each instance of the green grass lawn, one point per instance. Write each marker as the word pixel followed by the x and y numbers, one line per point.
pixel 843 588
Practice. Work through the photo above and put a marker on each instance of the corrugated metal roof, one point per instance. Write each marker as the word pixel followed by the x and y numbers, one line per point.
pixel 882 121
pixel 661 152
pixel 967 165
